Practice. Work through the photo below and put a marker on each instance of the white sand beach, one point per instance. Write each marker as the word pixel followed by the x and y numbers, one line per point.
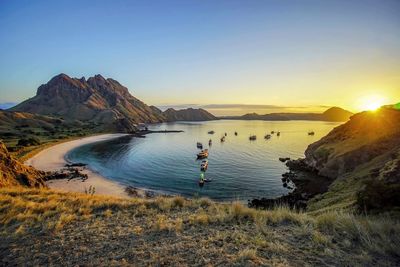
pixel 53 159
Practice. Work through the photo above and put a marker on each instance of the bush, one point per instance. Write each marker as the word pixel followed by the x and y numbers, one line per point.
pixel 32 141
pixel 378 195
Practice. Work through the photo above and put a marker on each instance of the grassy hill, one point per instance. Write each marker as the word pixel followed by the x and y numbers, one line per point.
pixel 363 156
pixel 44 227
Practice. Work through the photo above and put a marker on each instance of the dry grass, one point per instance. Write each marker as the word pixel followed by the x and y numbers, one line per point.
pixel 262 234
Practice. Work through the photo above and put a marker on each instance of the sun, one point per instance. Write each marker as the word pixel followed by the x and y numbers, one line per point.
pixel 371 102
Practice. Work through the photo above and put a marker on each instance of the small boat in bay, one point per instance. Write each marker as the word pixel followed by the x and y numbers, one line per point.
pixel 204 165
pixel 209 142
pixel 211 132
pixel 278 133
pixel 202 154
pixel 252 137
pixel 272 132
pixel 222 139
pixel 236 133
pixel 267 136
pixel 199 145
pixel 311 133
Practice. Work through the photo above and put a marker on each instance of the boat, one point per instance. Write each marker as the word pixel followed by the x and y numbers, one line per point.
pixel 202 154
pixel 222 139
pixel 199 145
pixel 209 142
pixel 267 136
pixel 204 165
pixel 278 134
pixel 311 133
pixel 236 133
pixel 272 132
pixel 211 132
pixel 252 137
pixel 226 134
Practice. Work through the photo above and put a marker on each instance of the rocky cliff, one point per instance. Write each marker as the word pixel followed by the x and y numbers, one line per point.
pixel 96 99
pixel 362 157
pixel 189 114
pixel 13 173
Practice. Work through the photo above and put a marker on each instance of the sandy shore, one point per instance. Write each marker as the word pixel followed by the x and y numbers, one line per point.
pixel 53 159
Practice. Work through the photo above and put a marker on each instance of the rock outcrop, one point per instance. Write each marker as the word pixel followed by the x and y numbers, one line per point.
pixel 96 99
pixel 14 173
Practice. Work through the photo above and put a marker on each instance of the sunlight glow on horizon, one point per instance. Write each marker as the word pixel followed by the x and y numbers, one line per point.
pixel 371 102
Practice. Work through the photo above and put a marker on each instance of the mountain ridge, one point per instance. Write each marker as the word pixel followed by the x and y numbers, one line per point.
pixel 96 99
pixel 335 114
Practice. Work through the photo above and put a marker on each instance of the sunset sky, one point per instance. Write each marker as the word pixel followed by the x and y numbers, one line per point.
pixel 263 56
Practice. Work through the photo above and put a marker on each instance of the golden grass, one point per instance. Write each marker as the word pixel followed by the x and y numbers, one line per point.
pixel 23 210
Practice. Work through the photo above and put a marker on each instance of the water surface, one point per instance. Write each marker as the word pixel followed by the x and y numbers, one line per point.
pixel 239 168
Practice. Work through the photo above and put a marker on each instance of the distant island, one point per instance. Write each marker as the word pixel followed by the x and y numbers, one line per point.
pixel 332 114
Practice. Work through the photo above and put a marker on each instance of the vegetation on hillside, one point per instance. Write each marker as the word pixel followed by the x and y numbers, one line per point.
pixel 41 227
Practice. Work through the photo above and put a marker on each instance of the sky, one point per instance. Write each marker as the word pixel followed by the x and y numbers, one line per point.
pixel 265 56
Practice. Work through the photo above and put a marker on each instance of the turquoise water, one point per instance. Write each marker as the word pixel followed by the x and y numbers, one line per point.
pixel 239 168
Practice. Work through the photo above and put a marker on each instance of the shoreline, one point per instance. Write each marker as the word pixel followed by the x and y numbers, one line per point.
pixel 53 159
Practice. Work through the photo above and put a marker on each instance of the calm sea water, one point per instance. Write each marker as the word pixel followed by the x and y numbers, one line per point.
pixel 239 168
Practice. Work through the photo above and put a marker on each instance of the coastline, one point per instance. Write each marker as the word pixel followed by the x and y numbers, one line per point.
pixel 53 159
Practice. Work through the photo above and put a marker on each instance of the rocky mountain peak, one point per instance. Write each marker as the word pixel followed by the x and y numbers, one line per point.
pixel 98 99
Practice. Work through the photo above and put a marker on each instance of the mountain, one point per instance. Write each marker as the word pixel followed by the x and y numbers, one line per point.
pixel 96 99
pixel 332 114
pixel 362 157
pixel 13 173
pixel 189 114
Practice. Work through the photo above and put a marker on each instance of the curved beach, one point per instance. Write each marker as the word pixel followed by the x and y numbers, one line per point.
pixel 53 159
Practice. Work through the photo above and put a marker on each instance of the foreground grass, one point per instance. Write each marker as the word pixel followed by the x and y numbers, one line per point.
pixel 41 227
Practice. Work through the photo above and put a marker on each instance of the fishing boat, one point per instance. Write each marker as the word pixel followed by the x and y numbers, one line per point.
pixel 211 132
pixel 311 133
pixel 272 132
pixel 222 139
pixel 236 133
pixel 278 133
pixel 202 154
pixel 204 165
pixel 226 134
pixel 209 142
pixel 252 137
pixel 267 136
pixel 199 145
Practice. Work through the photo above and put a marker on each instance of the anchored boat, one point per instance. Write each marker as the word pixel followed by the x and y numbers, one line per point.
pixel 204 165
pixel 199 145
pixel 252 137
pixel 202 154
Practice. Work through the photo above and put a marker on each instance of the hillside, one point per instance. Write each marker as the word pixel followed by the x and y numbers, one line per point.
pixel 362 157
pixel 189 114
pixel 13 173
pixel 96 99
pixel 331 114
pixel 24 132
pixel 44 227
